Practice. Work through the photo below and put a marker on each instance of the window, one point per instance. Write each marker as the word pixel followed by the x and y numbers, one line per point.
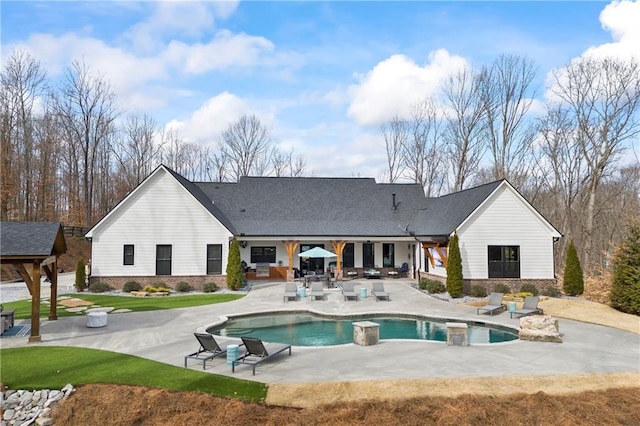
pixel 504 261
pixel 348 256
pixel 368 255
pixel 214 259
pixel 127 257
pixel 163 260
pixel 388 257
pixel 263 255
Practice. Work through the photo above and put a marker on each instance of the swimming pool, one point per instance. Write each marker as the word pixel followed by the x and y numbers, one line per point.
pixel 303 329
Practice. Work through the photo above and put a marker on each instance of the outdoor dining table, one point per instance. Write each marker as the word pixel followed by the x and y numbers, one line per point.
pixel 325 277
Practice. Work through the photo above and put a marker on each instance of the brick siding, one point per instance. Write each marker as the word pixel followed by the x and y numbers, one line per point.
pixel 196 281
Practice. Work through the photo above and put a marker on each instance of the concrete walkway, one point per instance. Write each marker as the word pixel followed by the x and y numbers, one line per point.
pixel 166 336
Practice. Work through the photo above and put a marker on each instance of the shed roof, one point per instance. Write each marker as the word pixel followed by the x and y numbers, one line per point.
pixel 31 239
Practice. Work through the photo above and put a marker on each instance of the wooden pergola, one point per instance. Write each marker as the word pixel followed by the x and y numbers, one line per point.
pixel 30 247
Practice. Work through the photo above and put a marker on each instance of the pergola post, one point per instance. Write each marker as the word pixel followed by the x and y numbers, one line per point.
pixel 438 247
pixel 35 303
pixel 291 247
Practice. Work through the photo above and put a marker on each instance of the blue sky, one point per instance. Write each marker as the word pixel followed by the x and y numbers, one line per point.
pixel 321 75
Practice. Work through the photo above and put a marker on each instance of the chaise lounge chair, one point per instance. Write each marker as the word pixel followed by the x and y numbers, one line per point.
pixel 529 306
pixel 378 291
pixel 257 352
pixel 348 291
pixel 290 291
pixel 316 290
pixel 209 349
pixel 494 304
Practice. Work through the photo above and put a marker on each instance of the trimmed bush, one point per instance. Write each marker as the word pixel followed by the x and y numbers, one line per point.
pixel 81 276
pixel 235 279
pixel 625 290
pixel 99 287
pixel 529 288
pixel 150 289
pixel 551 291
pixel 573 281
pixel 477 291
pixel 209 287
pixel 183 287
pixel 130 286
pixel 455 283
pixel 502 288
pixel 432 286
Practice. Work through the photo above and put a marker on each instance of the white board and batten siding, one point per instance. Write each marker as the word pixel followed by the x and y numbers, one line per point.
pixel 506 219
pixel 160 211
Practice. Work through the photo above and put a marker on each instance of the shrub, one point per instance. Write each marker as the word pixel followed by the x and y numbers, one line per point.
pixel 209 287
pixel 235 278
pixel 183 287
pixel 160 286
pixel 529 288
pixel 131 286
pixel 432 286
pixel 551 291
pixel 502 288
pixel 625 290
pixel 149 289
pixel 477 291
pixel 454 269
pixel 99 287
pixel 573 281
pixel 81 275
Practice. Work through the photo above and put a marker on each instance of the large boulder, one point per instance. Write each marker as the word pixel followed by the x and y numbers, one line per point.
pixel 540 328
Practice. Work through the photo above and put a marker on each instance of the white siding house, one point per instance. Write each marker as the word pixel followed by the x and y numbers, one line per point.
pixel 159 212
pixel 169 229
pixel 505 219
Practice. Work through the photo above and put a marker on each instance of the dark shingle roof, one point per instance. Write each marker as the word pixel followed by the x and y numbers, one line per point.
pixel 442 215
pixel 38 239
pixel 269 206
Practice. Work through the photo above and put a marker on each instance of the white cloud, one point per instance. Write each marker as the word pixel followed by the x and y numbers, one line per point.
pixel 223 51
pixel 396 83
pixel 214 116
pixel 622 20
pixel 182 18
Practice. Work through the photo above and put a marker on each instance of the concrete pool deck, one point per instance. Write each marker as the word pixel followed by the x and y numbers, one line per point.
pixel 167 336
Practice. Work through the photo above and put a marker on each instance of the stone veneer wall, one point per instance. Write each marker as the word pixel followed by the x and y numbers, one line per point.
pixel 489 284
pixel 196 281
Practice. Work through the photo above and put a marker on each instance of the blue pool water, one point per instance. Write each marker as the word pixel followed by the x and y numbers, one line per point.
pixel 312 330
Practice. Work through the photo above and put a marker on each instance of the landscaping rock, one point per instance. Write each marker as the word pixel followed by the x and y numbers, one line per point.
pixel 25 407
pixel 540 328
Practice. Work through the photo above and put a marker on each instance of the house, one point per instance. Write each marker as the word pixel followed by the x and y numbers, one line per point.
pixel 170 229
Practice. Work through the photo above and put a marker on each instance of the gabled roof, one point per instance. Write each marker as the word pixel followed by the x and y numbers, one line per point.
pixel 285 206
pixel 31 239
pixel 442 215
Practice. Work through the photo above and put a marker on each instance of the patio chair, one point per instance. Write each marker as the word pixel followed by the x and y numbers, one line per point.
pixel 404 269
pixel 316 290
pixel 494 304
pixel 257 352
pixel 348 291
pixel 529 306
pixel 209 349
pixel 290 291
pixel 378 291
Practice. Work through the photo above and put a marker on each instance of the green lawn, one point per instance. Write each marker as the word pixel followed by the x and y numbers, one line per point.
pixel 136 304
pixel 53 367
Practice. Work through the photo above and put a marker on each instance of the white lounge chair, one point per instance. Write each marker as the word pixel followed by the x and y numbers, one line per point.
pixel 529 306
pixel 348 291
pixel 378 291
pixel 290 291
pixel 316 290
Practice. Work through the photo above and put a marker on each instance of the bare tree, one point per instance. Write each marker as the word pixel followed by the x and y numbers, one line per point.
pixel 138 150
pixel 22 82
pixel 245 144
pixel 463 134
pixel 279 162
pixel 507 97
pixel 87 107
pixel 395 133
pixel 423 154
pixel 562 169
pixel 297 165
pixel 603 96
